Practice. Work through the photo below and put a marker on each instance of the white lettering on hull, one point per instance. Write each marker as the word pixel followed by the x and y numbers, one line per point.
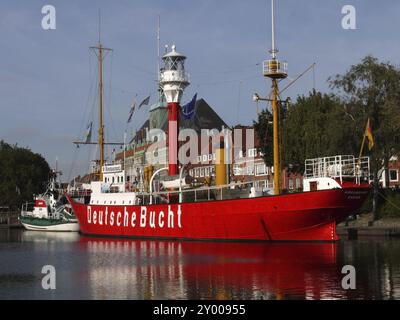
pixel 150 218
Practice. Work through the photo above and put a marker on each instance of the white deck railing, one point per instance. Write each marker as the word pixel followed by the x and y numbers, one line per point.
pixel 337 167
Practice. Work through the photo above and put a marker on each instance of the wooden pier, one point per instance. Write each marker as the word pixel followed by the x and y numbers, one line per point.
pixel 9 218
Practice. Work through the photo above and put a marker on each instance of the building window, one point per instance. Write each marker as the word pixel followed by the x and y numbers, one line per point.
pixel 210 157
pixel 214 156
pixel 205 158
pixel 393 175
pixel 196 172
pixel 201 172
pixel 261 170
pixel 290 184
pixel 191 172
pixel 298 183
pixel 250 170
pixel 207 171
pixel 261 185
pixel 199 159
pixel 212 169
pixel 236 170
pixel 252 153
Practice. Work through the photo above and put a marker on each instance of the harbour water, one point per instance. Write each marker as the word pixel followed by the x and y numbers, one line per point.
pixel 104 268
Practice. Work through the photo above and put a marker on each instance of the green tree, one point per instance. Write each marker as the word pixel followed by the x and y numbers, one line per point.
pixel 264 131
pixel 22 174
pixel 372 89
pixel 314 126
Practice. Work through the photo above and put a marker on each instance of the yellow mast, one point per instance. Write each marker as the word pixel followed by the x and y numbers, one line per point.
pixel 101 143
pixel 101 128
pixel 275 70
pixel 100 56
pixel 275 113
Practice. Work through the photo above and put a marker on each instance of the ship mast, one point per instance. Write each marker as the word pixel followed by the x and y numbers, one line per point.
pixel 101 52
pixel 274 69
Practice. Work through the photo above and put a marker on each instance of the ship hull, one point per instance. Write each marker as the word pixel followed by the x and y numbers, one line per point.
pixel 42 224
pixel 308 216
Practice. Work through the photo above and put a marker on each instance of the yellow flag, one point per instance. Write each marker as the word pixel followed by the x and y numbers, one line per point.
pixel 368 134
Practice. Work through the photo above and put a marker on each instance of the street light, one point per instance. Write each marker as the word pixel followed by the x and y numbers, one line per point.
pixel 151 182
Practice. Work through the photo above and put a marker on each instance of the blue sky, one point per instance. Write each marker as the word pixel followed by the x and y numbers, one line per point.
pixel 47 77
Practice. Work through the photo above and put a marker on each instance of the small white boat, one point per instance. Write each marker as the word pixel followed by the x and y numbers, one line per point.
pixel 49 212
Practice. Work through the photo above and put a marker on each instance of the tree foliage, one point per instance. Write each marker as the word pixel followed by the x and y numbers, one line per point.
pixel 329 124
pixel 264 131
pixel 22 174
pixel 317 126
pixel 373 89
pixel 314 126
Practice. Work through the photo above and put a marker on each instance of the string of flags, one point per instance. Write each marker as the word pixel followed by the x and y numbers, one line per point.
pixel 145 102
pixel 88 136
pixel 131 111
pixel 188 110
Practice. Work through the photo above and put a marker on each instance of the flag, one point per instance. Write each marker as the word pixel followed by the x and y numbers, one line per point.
pixel 89 133
pixel 131 111
pixel 189 108
pixel 145 102
pixel 368 134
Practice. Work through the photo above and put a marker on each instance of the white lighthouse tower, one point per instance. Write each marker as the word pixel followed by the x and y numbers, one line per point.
pixel 173 80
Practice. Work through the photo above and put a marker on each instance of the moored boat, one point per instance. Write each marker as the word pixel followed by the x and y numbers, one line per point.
pixel 333 187
pixel 50 211
pixel 329 196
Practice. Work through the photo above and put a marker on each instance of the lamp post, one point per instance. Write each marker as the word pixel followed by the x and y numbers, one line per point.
pixel 180 183
pixel 151 182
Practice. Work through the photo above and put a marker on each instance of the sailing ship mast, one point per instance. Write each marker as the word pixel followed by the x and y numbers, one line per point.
pixel 274 69
pixel 101 53
pixel 99 49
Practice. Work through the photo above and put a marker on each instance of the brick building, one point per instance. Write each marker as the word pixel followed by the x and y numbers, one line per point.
pixel 242 149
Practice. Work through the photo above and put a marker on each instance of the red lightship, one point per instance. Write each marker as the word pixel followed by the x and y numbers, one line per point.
pixel 333 188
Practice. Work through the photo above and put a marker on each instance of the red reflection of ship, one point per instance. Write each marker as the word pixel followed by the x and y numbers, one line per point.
pixel 215 270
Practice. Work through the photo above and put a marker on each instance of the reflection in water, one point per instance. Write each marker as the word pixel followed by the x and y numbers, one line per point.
pixel 210 270
pixel 49 236
pixel 102 268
